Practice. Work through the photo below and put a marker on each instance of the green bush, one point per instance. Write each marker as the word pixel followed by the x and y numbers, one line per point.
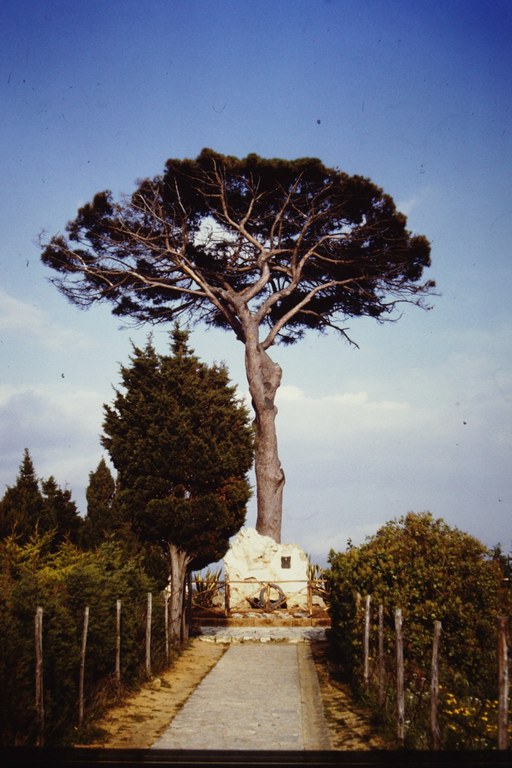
pixel 63 582
pixel 206 587
pixel 432 572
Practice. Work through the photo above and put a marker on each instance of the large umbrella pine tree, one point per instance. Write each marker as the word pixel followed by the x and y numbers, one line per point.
pixel 182 444
pixel 268 249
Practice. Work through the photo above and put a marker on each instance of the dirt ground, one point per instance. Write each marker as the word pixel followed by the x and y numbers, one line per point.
pixel 142 717
pixel 349 727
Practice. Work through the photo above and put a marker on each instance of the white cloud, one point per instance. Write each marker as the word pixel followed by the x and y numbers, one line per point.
pixel 421 199
pixel 407 206
pixel 60 432
pixel 311 417
pixel 20 317
pixel 353 462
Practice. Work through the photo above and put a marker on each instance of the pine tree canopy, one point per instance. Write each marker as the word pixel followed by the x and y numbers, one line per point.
pixel 298 244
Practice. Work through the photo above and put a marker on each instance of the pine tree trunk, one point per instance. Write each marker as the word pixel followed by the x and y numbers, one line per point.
pixel 178 562
pixel 264 378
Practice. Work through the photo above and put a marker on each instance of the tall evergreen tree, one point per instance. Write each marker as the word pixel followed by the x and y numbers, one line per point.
pixel 21 508
pixel 101 518
pixel 32 505
pixel 60 512
pixel 182 444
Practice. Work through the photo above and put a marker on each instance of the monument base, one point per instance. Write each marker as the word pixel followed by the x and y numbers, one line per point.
pixel 264 574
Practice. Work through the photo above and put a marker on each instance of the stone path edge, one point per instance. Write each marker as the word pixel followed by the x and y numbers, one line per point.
pixel 315 731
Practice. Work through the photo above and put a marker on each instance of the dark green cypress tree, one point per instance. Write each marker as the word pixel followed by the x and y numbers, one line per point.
pixel 182 444
pixel 59 512
pixel 101 519
pixel 21 509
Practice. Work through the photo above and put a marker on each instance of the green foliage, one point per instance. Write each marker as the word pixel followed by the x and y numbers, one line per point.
pixel 433 572
pixel 101 518
pixel 505 563
pixel 206 587
pixel 470 723
pixel 63 581
pixel 32 506
pixel 60 512
pixel 21 508
pixel 292 245
pixel 182 445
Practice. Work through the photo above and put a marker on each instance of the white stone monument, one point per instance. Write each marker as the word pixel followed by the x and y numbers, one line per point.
pixel 254 561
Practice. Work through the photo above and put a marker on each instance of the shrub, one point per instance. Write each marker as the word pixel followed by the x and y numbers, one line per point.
pixel 206 587
pixel 63 582
pixel 432 572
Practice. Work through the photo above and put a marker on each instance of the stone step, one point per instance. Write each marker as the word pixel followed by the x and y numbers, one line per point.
pixel 262 634
pixel 262 620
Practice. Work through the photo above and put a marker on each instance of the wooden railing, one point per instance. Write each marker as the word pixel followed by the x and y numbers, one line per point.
pixel 228 597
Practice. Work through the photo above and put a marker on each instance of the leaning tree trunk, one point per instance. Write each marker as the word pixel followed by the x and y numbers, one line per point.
pixel 178 563
pixel 264 378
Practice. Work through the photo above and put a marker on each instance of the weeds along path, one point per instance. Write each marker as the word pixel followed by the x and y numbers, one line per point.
pixel 139 719
pixel 349 725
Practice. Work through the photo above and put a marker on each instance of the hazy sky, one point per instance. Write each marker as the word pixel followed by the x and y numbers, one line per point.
pixel 416 96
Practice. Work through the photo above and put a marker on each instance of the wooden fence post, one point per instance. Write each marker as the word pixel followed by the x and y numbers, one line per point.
pixel 39 676
pixel 166 626
pixel 189 603
pixel 82 667
pixel 148 633
pixel 309 594
pixel 400 699
pixel 227 596
pixel 434 688
pixel 502 683
pixel 118 645
pixel 382 671
pixel 366 643
pixel 186 613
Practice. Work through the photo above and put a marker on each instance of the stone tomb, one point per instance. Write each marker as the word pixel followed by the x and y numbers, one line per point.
pixel 253 561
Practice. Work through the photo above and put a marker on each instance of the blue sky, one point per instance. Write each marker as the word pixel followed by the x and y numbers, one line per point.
pixel 415 96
